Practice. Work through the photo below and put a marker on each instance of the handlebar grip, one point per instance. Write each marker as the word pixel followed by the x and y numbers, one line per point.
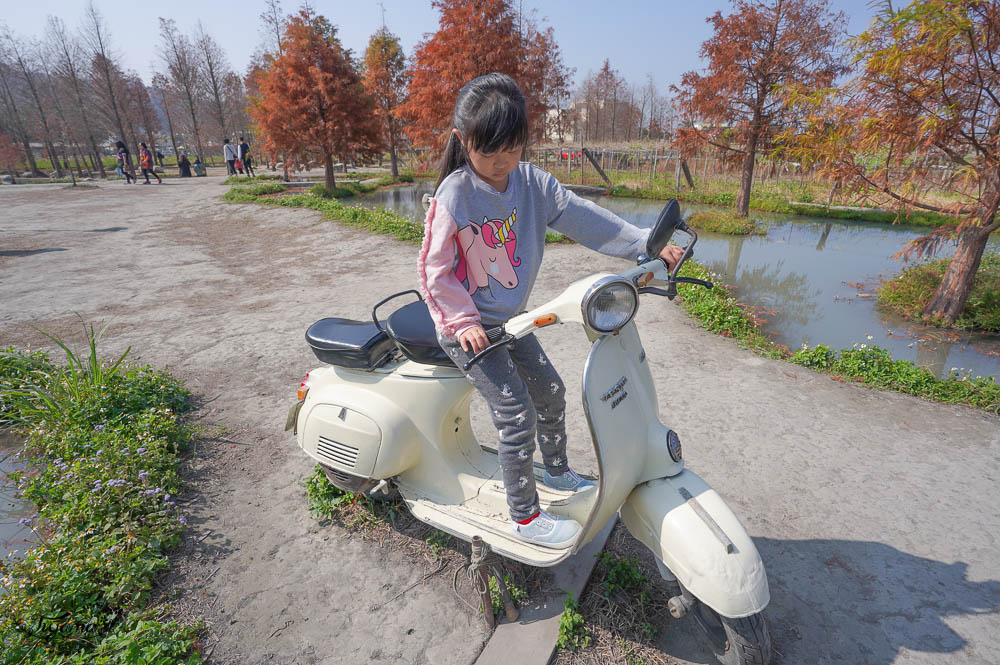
pixel 507 339
pixel 694 280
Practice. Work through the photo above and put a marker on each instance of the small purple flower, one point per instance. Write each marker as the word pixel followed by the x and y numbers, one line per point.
pixel 166 497
pixel 142 475
pixel 140 451
pixel 27 520
pixel 98 428
pixel 182 519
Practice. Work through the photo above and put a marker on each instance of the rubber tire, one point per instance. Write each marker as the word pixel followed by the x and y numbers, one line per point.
pixel 743 641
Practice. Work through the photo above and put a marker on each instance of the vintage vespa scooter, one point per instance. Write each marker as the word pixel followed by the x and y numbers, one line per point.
pixel 389 411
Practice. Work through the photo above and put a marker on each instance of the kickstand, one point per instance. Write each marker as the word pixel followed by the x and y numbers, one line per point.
pixel 479 572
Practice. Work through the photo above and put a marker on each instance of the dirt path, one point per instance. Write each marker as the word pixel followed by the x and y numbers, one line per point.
pixel 875 513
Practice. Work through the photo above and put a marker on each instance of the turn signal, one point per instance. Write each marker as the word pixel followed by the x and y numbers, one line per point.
pixel 546 320
pixel 303 388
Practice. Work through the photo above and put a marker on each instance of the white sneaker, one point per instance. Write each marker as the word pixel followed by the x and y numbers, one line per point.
pixel 570 481
pixel 548 530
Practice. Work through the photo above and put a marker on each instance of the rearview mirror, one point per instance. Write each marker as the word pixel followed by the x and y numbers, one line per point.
pixel 666 223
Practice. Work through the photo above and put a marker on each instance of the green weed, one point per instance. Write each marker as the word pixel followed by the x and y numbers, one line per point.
pixel 620 574
pixel 438 541
pixel 909 292
pixel 244 180
pixel 724 222
pixel 573 633
pixel 101 449
pixel 518 593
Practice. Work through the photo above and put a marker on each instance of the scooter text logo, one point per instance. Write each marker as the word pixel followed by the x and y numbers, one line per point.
pixel 618 392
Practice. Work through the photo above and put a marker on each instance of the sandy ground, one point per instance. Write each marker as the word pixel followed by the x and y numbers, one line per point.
pixel 875 513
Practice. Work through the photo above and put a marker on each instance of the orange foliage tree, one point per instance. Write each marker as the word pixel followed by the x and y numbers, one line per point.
pixel 926 97
pixel 386 79
pixel 309 101
pixel 737 105
pixel 476 37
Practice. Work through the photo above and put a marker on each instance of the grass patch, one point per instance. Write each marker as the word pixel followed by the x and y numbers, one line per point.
pixel 102 446
pixel 874 367
pixel 356 512
pixel 724 222
pixel 573 633
pixel 243 180
pixel 909 292
pixel 775 199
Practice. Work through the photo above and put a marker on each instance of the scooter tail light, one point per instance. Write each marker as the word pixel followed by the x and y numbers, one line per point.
pixel 303 388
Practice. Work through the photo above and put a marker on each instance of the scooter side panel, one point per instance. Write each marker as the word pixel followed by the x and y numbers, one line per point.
pixel 659 516
pixel 620 402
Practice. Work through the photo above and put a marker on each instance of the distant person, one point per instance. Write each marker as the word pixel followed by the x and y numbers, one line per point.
pixel 146 162
pixel 199 168
pixel 124 163
pixel 246 158
pixel 159 158
pixel 229 152
pixel 184 164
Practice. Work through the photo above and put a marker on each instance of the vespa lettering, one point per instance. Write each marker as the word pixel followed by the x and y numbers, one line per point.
pixel 618 392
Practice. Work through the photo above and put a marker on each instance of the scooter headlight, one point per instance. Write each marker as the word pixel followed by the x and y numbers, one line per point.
pixel 610 304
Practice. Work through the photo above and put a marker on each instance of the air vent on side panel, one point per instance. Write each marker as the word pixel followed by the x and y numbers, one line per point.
pixel 336 452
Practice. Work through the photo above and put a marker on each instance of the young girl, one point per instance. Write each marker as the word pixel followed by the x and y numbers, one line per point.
pixel 483 241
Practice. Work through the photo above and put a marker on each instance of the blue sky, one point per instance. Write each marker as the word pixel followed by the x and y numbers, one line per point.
pixel 640 37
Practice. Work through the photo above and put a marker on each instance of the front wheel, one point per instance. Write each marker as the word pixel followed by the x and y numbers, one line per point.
pixel 743 641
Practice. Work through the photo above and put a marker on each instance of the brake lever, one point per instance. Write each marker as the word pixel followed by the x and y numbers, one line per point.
pixel 507 339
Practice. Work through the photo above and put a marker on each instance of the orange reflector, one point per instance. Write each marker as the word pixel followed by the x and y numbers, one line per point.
pixel 546 320
pixel 302 391
pixel 644 280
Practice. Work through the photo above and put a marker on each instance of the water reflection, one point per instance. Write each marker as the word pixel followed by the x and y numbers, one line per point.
pixel 14 536
pixel 816 274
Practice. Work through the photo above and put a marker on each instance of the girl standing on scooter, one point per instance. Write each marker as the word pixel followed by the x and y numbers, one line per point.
pixel 484 236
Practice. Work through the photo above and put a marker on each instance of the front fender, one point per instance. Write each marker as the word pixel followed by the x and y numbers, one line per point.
pixel 732 583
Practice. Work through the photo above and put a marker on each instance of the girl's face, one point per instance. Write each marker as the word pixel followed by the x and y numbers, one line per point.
pixel 493 167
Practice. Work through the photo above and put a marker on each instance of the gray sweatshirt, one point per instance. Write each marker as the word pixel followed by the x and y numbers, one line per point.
pixel 482 249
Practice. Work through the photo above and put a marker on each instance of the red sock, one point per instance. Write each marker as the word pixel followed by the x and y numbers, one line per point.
pixel 528 521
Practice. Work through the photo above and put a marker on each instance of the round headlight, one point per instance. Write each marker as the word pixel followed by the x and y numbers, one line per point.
pixel 610 304
pixel 674 446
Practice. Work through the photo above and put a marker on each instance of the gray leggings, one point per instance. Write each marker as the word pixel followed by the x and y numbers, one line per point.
pixel 531 398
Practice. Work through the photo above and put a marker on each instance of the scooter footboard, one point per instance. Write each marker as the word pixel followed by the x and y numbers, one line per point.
pixel 695 534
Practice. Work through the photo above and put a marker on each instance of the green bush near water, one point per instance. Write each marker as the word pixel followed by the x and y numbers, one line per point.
pixel 909 292
pixel 724 222
pixel 102 442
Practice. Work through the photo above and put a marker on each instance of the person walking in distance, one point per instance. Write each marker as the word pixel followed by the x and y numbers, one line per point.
pixel 246 158
pixel 125 162
pixel 146 162
pixel 229 152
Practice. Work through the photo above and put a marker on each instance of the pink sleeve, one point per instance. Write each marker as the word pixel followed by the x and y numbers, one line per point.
pixel 449 302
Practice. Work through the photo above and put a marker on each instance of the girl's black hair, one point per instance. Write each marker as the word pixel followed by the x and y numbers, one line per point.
pixel 121 144
pixel 490 114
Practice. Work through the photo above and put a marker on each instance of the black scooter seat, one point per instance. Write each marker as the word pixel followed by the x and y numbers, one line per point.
pixel 349 343
pixel 413 329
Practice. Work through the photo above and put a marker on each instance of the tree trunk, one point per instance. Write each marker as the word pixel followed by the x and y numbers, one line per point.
pixel 331 180
pixel 746 178
pixel 948 302
pixel 395 162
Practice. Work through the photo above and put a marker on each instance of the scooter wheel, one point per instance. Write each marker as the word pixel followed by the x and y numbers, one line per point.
pixel 743 641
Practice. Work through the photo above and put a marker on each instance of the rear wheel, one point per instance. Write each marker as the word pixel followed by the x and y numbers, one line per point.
pixel 743 641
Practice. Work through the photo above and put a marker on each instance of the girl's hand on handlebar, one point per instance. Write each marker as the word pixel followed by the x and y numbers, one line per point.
pixel 671 254
pixel 473 339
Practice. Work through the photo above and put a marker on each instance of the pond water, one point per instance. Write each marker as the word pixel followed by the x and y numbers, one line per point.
pixel 811 278
pixel 14 536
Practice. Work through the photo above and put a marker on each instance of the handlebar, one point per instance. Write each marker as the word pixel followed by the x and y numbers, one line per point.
pixel 498 338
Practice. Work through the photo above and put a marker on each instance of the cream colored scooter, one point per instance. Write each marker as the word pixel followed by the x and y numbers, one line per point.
pixel 390 412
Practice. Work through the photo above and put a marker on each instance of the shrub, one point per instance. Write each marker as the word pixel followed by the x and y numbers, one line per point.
pixel 724 222
pixel 322 191
pixel 909 292
pixel 101 443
